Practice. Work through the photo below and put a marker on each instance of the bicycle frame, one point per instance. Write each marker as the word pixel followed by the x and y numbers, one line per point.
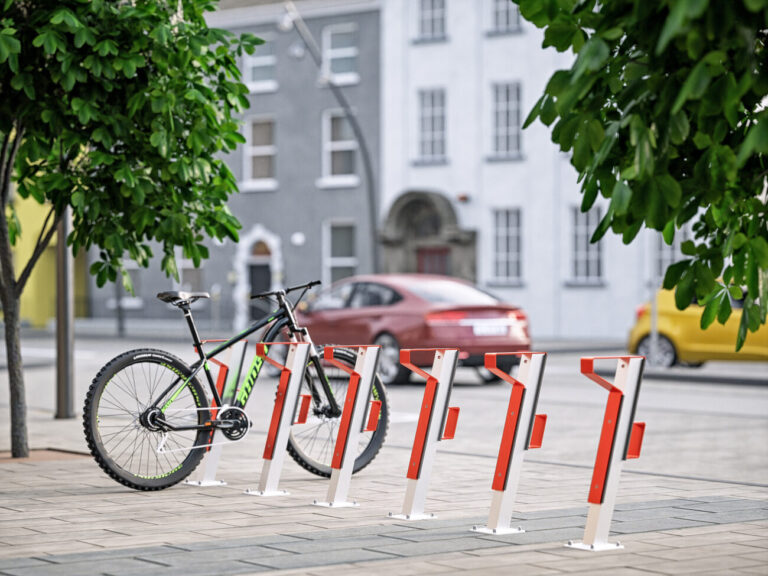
pixel 277 320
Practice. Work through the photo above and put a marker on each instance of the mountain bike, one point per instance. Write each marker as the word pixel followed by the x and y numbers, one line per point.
pixel 149 421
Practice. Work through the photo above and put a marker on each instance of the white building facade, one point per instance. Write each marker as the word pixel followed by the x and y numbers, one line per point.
pixel 466 191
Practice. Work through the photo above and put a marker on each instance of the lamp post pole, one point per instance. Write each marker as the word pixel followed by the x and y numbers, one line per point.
pixel 295 19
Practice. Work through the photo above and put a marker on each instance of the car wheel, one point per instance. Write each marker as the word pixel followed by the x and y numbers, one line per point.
pixel 390 369
pixel 666 355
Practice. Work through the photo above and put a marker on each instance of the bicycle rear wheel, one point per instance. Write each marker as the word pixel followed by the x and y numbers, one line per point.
pixel 311 444
pixel 129 449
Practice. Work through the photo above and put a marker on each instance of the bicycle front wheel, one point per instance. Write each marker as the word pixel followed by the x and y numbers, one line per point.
pixel 311 444
pixel 128 447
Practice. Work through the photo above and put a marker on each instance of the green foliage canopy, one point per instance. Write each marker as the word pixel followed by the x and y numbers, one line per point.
pixel 664 113
pixel 122 110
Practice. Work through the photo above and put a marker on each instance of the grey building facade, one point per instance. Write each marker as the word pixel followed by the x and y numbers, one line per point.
pixel 303 201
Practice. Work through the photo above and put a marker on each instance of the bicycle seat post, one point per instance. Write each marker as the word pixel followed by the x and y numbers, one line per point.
pixel 192 328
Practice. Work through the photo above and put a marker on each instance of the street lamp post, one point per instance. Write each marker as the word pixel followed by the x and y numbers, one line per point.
pixel 293 19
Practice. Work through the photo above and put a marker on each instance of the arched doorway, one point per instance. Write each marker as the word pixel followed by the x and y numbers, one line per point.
pixel 421 234
pixel 259 268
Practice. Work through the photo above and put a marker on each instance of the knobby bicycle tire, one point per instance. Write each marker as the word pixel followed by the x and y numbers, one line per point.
pixel 124 448
pixel 311 445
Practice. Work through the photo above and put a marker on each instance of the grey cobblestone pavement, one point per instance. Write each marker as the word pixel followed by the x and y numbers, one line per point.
pixel 696 502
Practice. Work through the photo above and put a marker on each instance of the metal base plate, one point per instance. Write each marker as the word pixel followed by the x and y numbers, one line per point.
pixel 205 483
pixel 426 516
pixel 337 504
pixel 597 547
pixel 497 531
pixel 266 493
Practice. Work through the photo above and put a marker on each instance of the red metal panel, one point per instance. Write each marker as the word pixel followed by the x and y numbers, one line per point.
pixel 636 440
pixel 605 448
pixel 373 416
pixel 508 436
pixel 449 432
pixel 346 420
pixel 427 404
pixel 277 413
pixel 539 423
pixel 306 399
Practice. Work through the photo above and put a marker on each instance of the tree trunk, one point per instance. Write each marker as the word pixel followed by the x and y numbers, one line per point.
pixel 19 442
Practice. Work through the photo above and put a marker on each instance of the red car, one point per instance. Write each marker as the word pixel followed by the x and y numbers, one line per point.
pixel 415 311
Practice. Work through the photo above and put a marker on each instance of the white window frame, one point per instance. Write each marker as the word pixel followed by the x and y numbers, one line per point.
pixel 430 13
pixel 587 264
pixel 505 17
pixel 432 142
pixel 249 183
pixel 328 180
pixel 329 53
pixel 329 261
pixel 507 133
pixel 257 61
pixel 502 256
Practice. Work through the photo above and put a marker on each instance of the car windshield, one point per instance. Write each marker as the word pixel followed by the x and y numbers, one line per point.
pixel 447 292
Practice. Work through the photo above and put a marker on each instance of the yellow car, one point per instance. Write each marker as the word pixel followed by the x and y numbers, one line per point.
pixel 682 341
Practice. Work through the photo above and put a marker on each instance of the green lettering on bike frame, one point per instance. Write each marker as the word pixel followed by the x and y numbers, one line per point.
pixel 175 395
pixel 253 373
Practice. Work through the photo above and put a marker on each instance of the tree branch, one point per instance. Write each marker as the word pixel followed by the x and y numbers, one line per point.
pixel 3 155
pixel 42 243
pixel 5 183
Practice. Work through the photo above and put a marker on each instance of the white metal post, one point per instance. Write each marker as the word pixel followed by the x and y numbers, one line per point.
pixel 282 418
pixel 432 419
pixel 523 429
pixel 621 439
pixel 355 408
pixel 207 475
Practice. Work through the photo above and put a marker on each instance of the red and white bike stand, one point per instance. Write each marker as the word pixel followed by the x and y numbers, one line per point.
pixel 208 475
pixel 291 377
pixel 621 439
pixel 523 429
pixel 436 422
pixel 352 417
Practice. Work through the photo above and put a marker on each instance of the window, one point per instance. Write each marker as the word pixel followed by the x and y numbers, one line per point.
pixel 339 152
pixel 340 252
pixel 259 151
pixel 506 120
pixel 260 68
pixel 432 125
pixel 507 246
pixel 587 257
pixel 505 17
pixel 432 20
pixel 335 298
pixel 340 54
pixel 369 294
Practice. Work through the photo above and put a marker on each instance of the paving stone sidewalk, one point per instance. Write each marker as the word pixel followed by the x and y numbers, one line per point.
pixel 66 517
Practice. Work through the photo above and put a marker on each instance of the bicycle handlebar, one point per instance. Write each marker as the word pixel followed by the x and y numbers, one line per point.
pixel 288 290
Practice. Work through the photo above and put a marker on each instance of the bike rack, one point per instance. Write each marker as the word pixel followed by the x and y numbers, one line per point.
pixel 227 394
pixel 523 429
pixel 621 439
pixel 291 377
pixel 351 425
pixel 430 429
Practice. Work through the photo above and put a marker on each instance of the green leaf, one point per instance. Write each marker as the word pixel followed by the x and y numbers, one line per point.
pixel 620 198
pixel 678 127
pixel 592 57
pixel 684 291
pixel 710 311
pixel 693 87
pixel 669 232
pixel 671 189
pixel 674 273
pixel 759 248
pixel 724 310
pixel 743 326
pixel 8 45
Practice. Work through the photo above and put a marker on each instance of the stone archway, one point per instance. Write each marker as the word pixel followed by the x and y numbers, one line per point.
pixel 422 234
pixel 256 248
